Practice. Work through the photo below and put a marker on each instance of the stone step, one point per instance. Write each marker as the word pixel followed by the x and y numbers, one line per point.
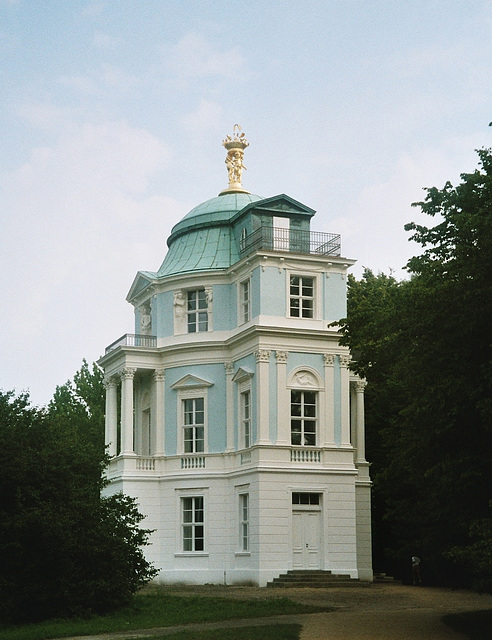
pixel 314 578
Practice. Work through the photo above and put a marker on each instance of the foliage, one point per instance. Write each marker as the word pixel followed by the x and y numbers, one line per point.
pixel 424 346
pixel 159 608
pixel 64 549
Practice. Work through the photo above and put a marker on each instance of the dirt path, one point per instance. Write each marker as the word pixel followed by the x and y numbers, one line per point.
pixel 378 612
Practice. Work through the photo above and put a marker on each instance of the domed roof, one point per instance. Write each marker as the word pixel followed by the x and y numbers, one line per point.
pixel 214 211
pixel 203 239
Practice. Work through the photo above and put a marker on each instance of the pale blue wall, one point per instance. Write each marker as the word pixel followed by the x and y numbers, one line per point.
pixel 335 297
pixel 272 292
pixel 313 360
pixel 224 307
pixel 216 419
pixel 163 315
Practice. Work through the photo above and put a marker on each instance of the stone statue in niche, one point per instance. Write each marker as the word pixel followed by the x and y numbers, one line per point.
pixel 145 319
pixel 179 304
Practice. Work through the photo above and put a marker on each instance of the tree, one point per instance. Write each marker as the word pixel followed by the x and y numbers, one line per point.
pixel 424 346
pixel 64 549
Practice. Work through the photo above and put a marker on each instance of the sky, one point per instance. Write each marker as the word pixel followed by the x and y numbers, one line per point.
pixel 112 115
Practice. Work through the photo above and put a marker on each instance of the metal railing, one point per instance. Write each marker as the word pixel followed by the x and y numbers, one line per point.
pixel 291 241
pixel 133 340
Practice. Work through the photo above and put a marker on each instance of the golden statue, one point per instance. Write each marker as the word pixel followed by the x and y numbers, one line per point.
pixel 235 145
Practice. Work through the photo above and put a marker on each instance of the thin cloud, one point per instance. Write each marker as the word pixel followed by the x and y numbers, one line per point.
pixel 194 56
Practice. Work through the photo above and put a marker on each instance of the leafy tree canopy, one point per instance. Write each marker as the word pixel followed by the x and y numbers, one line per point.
pixel 64 548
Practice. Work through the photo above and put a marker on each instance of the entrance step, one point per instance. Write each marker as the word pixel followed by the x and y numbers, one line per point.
pixel 382 577
pixel 314 579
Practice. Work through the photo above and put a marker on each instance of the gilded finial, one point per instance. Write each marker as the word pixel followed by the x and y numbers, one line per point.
pixel 235 145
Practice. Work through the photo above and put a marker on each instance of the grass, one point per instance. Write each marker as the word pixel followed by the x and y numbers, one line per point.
pixel 264 632
pixel 476 625
pixel 158 609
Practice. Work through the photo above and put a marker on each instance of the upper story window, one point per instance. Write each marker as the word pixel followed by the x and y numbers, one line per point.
pixel 245 301
pixel 301 297
pixel 197 310
pixel 244 521
pixel 246 419
pixel 303 420
pixel 194 425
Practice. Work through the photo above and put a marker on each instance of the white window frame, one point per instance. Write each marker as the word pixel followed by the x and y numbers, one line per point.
pixel 198 312
pixel 244 302
pixel 244 523
pixel 301 298
pixel 245 417
pixel 191 394
pixel 192 408
pixel 192 524
pixel 304 418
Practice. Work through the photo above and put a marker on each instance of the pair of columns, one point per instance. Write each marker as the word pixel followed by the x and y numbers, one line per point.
pixel 125 377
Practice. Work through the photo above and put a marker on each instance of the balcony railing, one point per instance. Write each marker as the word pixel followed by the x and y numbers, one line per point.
pixel 291 241
pixel 133 340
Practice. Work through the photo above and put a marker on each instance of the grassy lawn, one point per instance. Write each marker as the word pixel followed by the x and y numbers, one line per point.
pixel 157 609
pixel 267 632
pixel 477 625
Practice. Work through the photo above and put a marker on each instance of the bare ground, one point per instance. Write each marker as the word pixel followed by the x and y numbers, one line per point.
pixel 375 612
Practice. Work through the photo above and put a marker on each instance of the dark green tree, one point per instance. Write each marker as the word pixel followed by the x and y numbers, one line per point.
pixel 64 548
pixel 424 346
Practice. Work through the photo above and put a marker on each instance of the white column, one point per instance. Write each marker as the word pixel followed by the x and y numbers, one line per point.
pixel 262 395
pixel 111 420
pixel 283 400
pixel 158 378
pixel 127 410
pixel 345 399
pixel 229 372
pixel 360 385
pixel 329 416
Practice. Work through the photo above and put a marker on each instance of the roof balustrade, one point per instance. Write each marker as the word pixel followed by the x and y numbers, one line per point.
pixel 291 241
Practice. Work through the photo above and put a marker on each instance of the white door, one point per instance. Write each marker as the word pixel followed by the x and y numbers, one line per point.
pixel 306 536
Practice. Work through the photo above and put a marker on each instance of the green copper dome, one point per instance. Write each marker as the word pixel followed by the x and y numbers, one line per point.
pixel 204 238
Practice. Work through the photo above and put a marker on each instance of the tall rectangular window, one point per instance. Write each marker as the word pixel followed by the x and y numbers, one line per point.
pixel 194 425
pixel 197 311
pixel 301 297
pixel 303 417
pixel 246 418
pixel 245 301
pixel 193 523
pixel 244 517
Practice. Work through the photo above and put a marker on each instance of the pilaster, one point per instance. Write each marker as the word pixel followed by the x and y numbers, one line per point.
pixel 262 394
pixel 283 400
pixel 345 399
pixel 158 378
pixel 229 372
pixel 329 427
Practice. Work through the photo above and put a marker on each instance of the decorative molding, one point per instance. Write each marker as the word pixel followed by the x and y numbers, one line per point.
pixel 191 382
pixel 242 374
pixel 304 379
pixel 263 355
pixel 345 360
pixel 360 385
pixel 329 359
pixel 179 303
pixel 128 373
pixel 281 357
pixel 229 368
pixel 159 375
pixel 110 382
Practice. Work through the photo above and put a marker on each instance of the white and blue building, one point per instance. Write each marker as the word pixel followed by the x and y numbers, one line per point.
pixel 231 412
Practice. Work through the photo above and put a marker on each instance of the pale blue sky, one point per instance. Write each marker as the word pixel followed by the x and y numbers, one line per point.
pixel 112 115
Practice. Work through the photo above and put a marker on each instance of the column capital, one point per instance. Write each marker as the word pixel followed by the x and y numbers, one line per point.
pixel 110 382
pixel 127 373
pixel 360 385
pixel 281 357
pixel 329 359
pixel 229 368
pixel 159 375
pixel 345 360
pixel 263 355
